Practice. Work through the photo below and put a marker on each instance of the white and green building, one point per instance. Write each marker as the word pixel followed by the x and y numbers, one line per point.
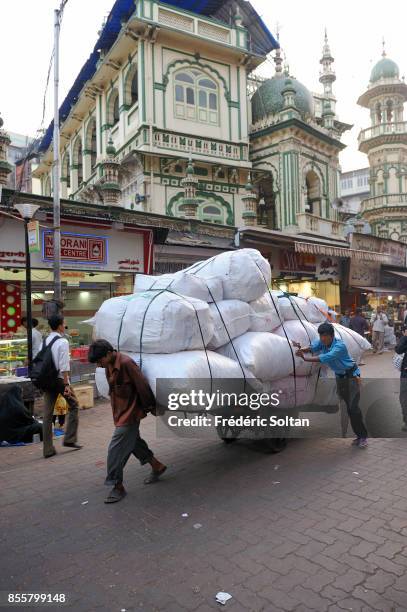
pixel 385 143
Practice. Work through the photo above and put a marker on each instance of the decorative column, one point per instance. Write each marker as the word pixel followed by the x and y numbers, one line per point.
pixel 190 185
pixel 250 204
pixel 5 167
pixel 109 184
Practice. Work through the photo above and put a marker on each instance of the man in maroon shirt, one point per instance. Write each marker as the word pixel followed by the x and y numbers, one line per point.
pixel 131 399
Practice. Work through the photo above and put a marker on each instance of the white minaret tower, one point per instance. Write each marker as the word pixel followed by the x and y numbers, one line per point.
pixel 327 76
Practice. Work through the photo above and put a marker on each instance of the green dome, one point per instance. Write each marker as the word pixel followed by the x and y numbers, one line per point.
pixel 384 69
pixel 269 99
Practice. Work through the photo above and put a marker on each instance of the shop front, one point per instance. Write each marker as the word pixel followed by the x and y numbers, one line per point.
pixel 98 261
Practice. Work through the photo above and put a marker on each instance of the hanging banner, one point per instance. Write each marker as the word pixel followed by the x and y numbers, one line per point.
pixel 33 229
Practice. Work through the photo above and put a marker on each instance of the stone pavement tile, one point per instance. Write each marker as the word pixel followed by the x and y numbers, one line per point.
pixel 249 599
pixel 363 549
pixel 387 565
pixel 310 598
pixel 390 549
pixel 355 605
pixel 333 594
pixel 380 581
pixel 279 600
pixel 397 598
pixel 318 581
pixel 349 580
pixel 260 581
pixel 374 600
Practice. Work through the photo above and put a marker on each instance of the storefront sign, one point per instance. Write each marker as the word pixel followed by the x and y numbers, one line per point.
pixel 12 257
pixel 290 261
pixel 33 229
pixel 328 268
pixel 395 250
pixel 364 274
pixel 83 248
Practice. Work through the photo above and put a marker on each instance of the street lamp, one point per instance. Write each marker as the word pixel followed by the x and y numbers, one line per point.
pixel 27 211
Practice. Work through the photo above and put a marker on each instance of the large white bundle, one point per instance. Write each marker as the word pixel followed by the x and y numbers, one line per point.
pixel 265 313
pixel 304 333
pixel 266 355
pixel 231 318
pixel 154 322
pixel 102 385
pixel 292 391
pixel 390 339
pixel 295 307
pixel 245 273
pixel 355 343
pixel 208 290
pixel 184 371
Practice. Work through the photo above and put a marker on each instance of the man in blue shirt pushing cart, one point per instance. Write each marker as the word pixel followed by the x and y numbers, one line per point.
pixel 333 353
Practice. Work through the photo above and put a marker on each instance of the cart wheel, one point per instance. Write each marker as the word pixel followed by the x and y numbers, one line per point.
pixel 274 445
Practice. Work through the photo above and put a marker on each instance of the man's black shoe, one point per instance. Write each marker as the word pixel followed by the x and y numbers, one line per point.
pixel 50 454
pixel 72 445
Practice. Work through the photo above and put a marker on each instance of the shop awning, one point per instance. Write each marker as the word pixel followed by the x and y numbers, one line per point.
pixel 335 251
pixel 402 274
pixel 384 290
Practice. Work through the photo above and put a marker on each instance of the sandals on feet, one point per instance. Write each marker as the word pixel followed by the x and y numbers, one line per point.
pixel 155 475
pixel 115 495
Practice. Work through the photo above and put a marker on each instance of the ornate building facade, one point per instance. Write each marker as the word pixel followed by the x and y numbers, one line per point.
pixel 385 143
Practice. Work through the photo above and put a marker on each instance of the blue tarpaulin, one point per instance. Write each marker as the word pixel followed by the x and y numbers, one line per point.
pixel 122 10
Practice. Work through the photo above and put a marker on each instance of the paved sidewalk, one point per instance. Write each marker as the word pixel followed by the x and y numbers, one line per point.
pixel 322 526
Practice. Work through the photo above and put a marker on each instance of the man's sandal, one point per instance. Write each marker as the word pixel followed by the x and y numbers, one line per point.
pixel 115 495
pixel 155 475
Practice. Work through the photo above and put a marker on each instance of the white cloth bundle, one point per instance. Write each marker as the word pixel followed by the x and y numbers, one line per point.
pixel 155 322
pixel 230 315
pixel 208 290
pixel 304 333
pixel 245 273
pixel 266 355
pixel 184 371
pixel 355 343
pixel 265 313
pixel 292 391
pixel 311 309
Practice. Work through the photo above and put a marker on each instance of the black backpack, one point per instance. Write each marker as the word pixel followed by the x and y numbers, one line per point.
pixel 44 374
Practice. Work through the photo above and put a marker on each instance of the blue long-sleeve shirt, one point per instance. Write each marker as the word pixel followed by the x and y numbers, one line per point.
pixel 336 356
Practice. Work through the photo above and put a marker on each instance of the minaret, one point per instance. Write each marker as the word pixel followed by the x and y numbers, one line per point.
pixel 110 167
pixel 190 185
pixel 328 75
pixel 278 60
pixel 250 204
pixel 5 167
pixel 385 143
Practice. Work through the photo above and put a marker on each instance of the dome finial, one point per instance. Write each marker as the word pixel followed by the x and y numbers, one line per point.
pixel 278 60
pixel 384 47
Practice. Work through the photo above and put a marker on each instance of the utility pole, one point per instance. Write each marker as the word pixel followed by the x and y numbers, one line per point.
pixel 56 167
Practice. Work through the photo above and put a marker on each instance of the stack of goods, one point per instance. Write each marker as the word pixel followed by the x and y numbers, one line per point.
pixel 218 320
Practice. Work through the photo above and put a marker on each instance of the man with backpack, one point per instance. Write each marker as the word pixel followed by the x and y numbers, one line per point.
pixel 51 374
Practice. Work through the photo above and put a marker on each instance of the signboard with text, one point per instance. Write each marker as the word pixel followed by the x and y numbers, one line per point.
pixel 76 248
pixel 396 251
pixel 290 261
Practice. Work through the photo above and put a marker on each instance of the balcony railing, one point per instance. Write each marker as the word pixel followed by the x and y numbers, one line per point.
pixel 383 201
pixel 200 146
pixel 383 129
pixel 318 225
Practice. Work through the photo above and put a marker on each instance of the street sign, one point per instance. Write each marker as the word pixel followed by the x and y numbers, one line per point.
pixel 33 229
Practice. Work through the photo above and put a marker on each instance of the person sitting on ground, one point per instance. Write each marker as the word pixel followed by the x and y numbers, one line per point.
pixel 333 353
pixel 131 399
pixel 16 424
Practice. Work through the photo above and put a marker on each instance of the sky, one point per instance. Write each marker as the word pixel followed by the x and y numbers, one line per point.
pixel 355 31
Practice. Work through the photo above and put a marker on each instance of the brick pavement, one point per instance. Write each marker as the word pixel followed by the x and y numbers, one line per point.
pixel 318 540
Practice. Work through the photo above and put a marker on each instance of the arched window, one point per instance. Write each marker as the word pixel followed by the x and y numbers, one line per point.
pixel 78 161
pixel 134 89
pixel 66 169
pixel 389 111
pixel 113 114
pixel 313 186
pixel 211 213
pixel 196 97
pixel 47 186
pixel 91 142
pixel 378 112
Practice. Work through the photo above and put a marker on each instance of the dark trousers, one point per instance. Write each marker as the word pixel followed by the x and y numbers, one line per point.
pixel 349 392
pixel 125 441
pixel 71 432
pixel 403 397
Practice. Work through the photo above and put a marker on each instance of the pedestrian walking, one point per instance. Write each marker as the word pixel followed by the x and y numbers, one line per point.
pixel 60 358
pixel 379 321
pixel 345 319
pixel 35 335
pixel 333 353
pixel 358 323
pixel 401 349
pixel 131 399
